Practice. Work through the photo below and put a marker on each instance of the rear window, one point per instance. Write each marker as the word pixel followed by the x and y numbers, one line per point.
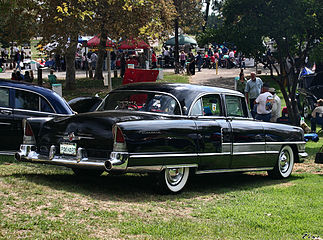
pixel 141 101
pixel 4 97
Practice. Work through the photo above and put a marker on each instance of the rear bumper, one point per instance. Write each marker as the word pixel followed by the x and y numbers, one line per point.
pixel 117 163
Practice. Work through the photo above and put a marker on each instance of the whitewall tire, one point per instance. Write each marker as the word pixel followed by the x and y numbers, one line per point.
pixel 285 163
pixel 173 180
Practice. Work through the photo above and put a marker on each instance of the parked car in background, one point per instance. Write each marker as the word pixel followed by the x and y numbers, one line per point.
pixel 85 104
pixel 19 101
pixel 172 130
pixel 310 89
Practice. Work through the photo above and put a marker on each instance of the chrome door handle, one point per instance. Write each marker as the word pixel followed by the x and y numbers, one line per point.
pixel 6 112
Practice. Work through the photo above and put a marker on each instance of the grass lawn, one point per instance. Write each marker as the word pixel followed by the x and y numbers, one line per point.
pixel 49 202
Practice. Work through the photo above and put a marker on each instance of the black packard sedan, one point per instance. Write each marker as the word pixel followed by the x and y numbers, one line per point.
pixel 170 129
pixel 19 101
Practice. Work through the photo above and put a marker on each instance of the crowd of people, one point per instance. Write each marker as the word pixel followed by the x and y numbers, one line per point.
pixel 220 55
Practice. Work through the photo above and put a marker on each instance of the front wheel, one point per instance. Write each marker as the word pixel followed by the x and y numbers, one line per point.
pixel 173 180
pixel 284 164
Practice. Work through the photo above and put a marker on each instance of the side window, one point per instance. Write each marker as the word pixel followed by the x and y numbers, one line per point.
pixel 197 108
pixel 4 97
pixel 45 107
pixel 26 100
pixel 209 105
pixel 236 106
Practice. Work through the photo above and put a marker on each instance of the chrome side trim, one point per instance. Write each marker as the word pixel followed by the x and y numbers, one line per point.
pixel 7 153
pixel 163 155
pixel 249 143
pixel 249 153
pixel 272 152
pixel 157 168
pixel 234 170
pixel 180 165
pixel 284 143
pixel 145 169
pixel 7 124
pixel 213 154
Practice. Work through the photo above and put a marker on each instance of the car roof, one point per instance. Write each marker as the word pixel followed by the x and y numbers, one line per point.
pixel 185 93
pixel 60 105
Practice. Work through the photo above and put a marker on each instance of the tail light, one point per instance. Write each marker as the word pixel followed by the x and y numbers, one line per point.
pixel 29 137
pixel 119 140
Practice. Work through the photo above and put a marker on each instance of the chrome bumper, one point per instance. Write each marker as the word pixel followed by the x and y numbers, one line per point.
pixel 117 162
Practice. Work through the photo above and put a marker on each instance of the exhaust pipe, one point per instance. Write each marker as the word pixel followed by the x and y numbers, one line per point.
pixel 18 156
pixel 108 165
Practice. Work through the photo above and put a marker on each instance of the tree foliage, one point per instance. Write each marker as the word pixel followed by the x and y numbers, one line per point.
pixel 17 22
pixel 126 19
pixel 295 26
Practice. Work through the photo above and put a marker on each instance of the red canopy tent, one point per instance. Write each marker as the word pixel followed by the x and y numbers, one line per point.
pixel 95 41
pixel 133 44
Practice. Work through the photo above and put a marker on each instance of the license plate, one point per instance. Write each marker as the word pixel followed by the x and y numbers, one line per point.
pixel 67 148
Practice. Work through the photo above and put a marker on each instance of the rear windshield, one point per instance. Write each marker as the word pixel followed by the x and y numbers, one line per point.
pixel 141 101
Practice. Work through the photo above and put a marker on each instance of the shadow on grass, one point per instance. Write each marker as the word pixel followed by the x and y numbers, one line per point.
pixel 141 188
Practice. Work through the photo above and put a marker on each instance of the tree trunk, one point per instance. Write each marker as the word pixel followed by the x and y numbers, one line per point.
pixel 206 14
pixel 99 64
pixel 176 53
pixel 70 82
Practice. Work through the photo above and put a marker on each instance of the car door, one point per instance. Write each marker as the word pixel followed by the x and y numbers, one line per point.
pixel 214 146
pixel 248 137
pixel 28 104
pixel 7 133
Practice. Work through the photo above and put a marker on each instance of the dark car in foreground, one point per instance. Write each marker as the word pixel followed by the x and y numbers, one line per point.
pixel 19 101
pixel 173 130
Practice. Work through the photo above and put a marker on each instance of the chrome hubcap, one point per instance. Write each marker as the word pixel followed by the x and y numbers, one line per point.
pixel 284 161
pixel 174 175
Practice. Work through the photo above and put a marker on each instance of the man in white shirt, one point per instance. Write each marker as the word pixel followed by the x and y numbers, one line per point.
pixel 318 109
pixel 276 110
pixel 264 105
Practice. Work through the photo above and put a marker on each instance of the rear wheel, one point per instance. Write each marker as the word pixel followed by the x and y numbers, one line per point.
pixel 173 180
pixel 87 172
pixel 284 164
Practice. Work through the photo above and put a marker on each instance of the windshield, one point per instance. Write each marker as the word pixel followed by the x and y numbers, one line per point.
pixel 141 101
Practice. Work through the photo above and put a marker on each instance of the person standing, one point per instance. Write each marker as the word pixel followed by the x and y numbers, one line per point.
pixel 276 110
pixel 153 60
pixel 318 109
pixel 253 90
pixel 113 60
pixel 264 105
pixel 199 61
pixel 18 60
pixel 191 66
pixel 182 58
pixel 93 58
pixel 122 65
pixel 241 83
